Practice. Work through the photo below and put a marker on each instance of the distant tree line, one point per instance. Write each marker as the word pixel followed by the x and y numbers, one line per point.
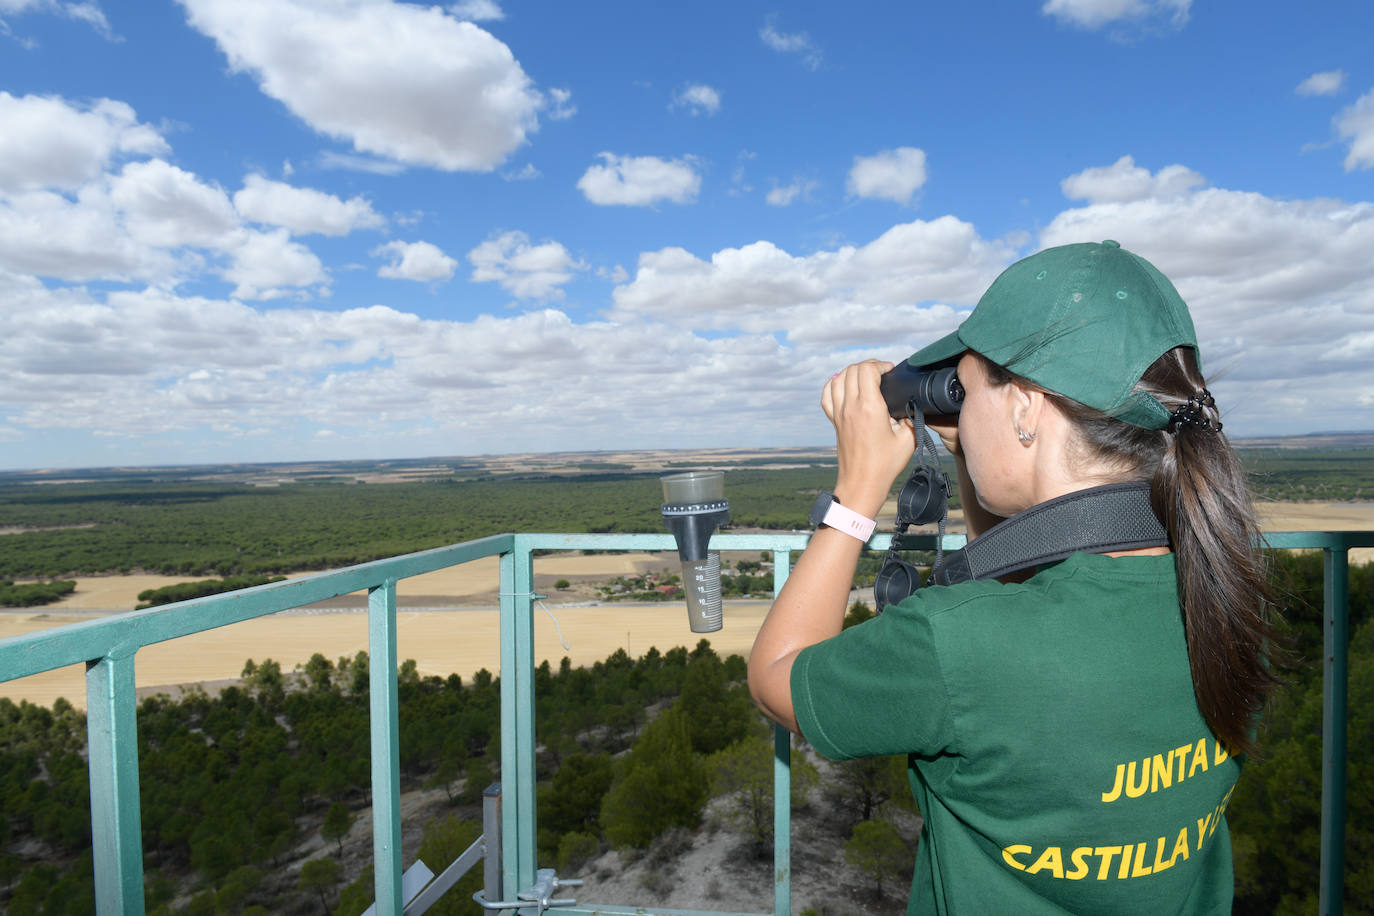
pixel 206 528
pixel 1310 474
pixel 34 593
pixel 203 529
pixel 185 591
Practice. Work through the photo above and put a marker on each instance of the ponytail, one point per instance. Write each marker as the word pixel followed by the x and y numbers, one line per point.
pixel 1198 490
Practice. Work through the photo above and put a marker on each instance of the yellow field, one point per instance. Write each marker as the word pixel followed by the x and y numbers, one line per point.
pixel 463 640
pixel 441 642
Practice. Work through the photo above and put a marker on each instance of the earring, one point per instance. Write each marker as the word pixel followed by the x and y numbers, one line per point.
pixel 1025 437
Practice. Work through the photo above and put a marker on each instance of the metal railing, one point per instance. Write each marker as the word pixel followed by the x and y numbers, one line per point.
pixel 108 647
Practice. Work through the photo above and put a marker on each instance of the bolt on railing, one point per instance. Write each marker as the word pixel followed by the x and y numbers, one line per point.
pixel 108 647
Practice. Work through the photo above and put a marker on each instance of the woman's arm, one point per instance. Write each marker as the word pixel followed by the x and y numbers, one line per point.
pixel 809 609
pixel 872 449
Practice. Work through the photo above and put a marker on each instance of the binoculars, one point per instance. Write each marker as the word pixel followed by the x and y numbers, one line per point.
pixel 911 389
pixel 911 392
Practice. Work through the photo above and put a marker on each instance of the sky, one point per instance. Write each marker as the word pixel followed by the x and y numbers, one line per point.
pixel 295 230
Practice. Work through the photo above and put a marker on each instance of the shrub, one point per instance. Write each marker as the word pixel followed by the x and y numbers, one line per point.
pixel 576 850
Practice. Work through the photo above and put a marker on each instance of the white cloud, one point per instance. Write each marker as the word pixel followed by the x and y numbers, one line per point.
pixel 616 274
pixel 265 264
pixel 698 99
pixel 739 183
pixel 50 142
pixel 477 10
pixel 1276 287
pixel 330 159
pixel 303 210
pixel 91 14
pixel 1328 82
pixel 73 218
pixel 1356 347
pixel 526 173
pixel 420 261
pixel 562 104
pixel 639 181
pixel 784 195
pixel 525 271
pixel 1356 124
pixel 889 283
pixel 798 43
pixel 87 11
pixel 168 207
pixel 397 80
pixel 46 234
pixel 1124 181
pixel 1093 14
pixel 28 44
pixel 894 174
pixel 175 363
pixel 1282 292
pixel 151 221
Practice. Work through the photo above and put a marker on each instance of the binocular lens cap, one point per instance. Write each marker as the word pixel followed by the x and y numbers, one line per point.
pixel 922 500
pixel 895 582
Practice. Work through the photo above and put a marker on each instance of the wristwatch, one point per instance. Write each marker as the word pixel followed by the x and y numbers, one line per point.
pixel 828 512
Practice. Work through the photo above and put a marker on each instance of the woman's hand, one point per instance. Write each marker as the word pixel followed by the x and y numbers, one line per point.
pixel 872 447
pixel 946 426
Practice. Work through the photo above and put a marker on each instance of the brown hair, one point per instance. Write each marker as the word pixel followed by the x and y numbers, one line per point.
pixel 1198 490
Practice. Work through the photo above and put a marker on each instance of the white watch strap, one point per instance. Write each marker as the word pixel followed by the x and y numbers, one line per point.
pixel 849 521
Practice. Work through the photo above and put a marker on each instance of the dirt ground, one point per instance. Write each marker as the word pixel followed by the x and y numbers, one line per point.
pixel 448 623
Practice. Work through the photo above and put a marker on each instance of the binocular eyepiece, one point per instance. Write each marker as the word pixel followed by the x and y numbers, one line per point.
pixel 922 389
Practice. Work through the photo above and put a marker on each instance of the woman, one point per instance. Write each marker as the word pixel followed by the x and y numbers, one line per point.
pixel 1073 737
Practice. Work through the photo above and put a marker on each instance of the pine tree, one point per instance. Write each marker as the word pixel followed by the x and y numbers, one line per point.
pixel 319 876
pixel 337 823
pixel 877 849
pixel 662 784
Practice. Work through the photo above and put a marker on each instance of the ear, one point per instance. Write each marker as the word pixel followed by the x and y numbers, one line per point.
pixel 1028 407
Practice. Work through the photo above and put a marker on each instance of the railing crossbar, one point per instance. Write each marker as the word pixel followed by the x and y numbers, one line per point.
pixel 447 878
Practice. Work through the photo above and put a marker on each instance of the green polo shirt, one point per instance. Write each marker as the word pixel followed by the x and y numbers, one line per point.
pixel 1055 745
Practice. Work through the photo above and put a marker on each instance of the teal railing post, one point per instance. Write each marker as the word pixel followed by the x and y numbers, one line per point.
pixel 517 717
pixel 386 747
pixel 1335 676
pixel 112 744
pixel 782 781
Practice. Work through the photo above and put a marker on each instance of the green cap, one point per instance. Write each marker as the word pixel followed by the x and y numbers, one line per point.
pixel 1084 321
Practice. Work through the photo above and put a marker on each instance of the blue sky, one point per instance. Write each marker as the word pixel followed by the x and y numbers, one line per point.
pixel 278 230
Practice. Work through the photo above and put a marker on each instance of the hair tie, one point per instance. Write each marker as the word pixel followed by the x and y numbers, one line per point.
pixel 1192 413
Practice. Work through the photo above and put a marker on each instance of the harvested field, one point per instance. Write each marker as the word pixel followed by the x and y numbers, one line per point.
pixel 441 642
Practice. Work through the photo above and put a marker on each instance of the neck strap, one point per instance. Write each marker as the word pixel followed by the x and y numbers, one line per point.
pixel 1117 516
